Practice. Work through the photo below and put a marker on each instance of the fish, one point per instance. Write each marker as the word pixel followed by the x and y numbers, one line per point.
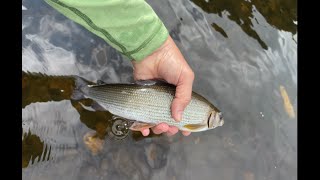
pixel 148 103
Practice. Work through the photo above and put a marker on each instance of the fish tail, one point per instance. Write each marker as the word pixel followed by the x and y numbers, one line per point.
pixel 81 87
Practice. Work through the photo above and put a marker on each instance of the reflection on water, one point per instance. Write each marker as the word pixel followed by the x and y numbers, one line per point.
pixel 219 29
pixel 32 149
pixel 36 88
pixel 279 13
pixel 241 52
pixel 42 88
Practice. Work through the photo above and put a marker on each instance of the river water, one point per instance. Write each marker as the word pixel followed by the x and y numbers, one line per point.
pixel 244 55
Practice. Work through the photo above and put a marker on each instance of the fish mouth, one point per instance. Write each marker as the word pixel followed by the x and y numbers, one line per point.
pixel 221 120
pixel 215 119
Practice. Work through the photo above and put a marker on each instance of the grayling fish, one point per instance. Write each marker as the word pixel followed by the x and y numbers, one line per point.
pixel 149 104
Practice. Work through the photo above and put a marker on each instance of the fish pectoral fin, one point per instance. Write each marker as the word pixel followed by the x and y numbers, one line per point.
pixel 195 126
pixel 137 126
pixel 96 106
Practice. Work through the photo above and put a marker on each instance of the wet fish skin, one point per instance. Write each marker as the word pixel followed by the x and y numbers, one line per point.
pixel 150 104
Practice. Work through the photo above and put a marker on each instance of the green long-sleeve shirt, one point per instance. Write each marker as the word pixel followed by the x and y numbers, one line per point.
pixel 130 26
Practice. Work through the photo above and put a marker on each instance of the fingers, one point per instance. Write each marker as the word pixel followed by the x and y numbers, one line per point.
pixel 186 133
pixel 160 128
pixel 145 132
pixel 172 131
pixel 183 94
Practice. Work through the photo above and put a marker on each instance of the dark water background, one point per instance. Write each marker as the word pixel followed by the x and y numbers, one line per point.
pixel 241 52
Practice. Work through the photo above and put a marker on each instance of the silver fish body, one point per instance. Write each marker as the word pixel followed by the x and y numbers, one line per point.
pixel 151 104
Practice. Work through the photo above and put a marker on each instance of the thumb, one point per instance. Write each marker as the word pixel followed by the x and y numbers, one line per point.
pixel 183 94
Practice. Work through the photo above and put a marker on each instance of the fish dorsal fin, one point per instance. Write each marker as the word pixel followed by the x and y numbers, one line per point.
pixel 194 126
pixel 137 126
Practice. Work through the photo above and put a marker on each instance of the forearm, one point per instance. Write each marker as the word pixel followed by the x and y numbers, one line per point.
pixel 130 26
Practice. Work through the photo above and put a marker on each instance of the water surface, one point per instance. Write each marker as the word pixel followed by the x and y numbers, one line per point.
pixel 242 52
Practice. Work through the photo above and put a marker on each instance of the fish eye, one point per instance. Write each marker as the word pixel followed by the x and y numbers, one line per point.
pixel 209 119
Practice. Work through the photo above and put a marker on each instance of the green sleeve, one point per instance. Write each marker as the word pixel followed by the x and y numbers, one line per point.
pixel 130 26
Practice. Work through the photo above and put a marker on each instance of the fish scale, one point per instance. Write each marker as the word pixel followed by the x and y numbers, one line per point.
pixel 148 103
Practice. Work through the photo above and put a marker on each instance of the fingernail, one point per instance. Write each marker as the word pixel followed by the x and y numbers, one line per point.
pixel 145 132
pixel 185 133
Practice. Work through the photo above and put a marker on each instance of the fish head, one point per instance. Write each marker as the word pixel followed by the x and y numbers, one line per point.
pixel 215 119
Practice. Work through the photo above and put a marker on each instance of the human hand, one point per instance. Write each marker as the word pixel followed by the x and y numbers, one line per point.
pixel 168 63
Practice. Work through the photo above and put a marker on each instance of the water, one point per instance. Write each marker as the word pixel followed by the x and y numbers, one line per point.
pixel 241 53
